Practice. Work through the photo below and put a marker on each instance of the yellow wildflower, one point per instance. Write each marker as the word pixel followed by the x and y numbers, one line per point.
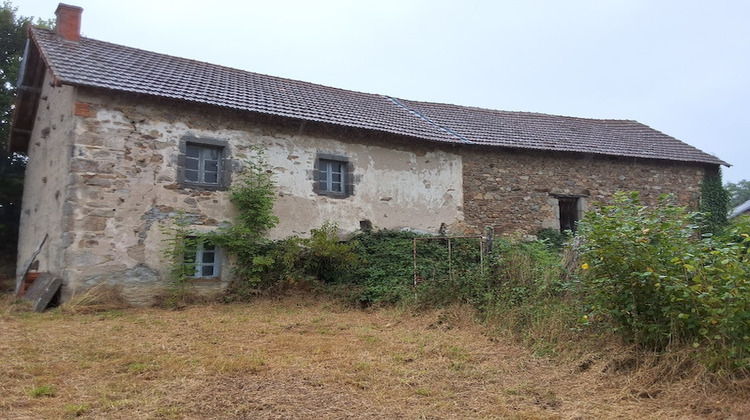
pixel 585 266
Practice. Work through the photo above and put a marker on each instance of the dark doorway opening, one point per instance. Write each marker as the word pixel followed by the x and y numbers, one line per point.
pixel 568 213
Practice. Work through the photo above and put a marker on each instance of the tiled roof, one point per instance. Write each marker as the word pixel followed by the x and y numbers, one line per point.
pixel 104 65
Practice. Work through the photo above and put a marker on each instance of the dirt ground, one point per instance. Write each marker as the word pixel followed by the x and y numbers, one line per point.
pixel 302 358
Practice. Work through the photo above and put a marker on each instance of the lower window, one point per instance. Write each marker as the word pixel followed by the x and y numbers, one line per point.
pixel 205 259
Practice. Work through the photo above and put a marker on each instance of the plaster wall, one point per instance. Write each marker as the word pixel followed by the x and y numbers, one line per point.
pixel 124 186
pixel 45 206
pixel 393 188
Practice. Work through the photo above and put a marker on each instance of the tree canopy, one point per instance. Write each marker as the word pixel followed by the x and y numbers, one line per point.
pixel 12 42
pixel 738 192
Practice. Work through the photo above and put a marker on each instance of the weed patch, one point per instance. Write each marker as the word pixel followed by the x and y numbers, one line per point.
pixel 43 391
pixel 651 277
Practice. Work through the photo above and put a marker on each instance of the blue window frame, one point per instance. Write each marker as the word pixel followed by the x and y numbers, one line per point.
pixel 332 176
pixel 205 259
pixel 203 164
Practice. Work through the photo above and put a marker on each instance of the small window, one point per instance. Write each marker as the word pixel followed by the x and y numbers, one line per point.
pixel 205 259
pixel 333 176
pixel 202 164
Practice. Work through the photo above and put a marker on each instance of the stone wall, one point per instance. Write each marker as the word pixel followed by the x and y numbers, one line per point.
pixel 103 180
pixel 124 184
pixel 515 191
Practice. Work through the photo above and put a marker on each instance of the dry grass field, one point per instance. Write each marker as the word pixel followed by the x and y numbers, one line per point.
pixel 307 358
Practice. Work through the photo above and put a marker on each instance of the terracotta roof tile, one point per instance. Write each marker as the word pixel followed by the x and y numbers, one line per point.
pixel 100 64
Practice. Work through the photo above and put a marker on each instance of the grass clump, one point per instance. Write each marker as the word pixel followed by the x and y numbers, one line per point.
pixel 43 391
pixel 76 410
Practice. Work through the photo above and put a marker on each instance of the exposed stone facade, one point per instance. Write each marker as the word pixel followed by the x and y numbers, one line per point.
pixel 115 159
pixel 517 191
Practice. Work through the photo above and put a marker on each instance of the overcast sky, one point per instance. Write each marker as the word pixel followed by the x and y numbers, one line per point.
pixel 679 66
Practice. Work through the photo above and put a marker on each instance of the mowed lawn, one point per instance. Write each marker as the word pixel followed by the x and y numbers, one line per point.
pixel 308 358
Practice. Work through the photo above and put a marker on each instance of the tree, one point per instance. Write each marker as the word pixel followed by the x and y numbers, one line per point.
pixel 738 192
pixel 12 42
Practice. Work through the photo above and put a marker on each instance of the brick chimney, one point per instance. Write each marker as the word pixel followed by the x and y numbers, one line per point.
pixel 69 22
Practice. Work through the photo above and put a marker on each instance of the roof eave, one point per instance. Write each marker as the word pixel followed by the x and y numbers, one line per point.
pixel 29 89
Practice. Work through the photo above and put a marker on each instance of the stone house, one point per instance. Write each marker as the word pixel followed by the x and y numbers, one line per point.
pixel 119 139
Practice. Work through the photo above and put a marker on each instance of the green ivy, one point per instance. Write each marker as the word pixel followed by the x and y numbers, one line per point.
pixel 714 202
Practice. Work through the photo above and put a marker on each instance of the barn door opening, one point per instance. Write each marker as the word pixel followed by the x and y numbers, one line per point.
pixel 569 213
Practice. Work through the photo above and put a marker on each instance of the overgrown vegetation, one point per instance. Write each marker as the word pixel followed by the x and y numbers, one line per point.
pixel 180 243
pixel 645 273
pixel 253 197
pixel 714 203
pixel 652 277
pixel 302 263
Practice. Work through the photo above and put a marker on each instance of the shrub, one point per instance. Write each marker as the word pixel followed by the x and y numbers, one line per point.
pixel 627 250
pixel 649 274
pixel 321 257
pixel 718 294
pixel 253 195
pixel 552 237
pixel 386 269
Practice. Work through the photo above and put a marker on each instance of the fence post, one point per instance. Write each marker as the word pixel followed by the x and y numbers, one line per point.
pixel 489 238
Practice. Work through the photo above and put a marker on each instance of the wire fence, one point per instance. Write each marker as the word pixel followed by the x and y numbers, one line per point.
pixel 453 255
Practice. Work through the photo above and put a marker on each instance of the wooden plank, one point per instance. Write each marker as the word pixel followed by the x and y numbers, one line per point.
pixel 27 265
pixel 42 291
